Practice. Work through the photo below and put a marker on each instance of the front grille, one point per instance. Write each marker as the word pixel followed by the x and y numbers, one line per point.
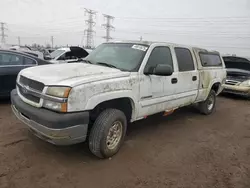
pixel 31 83
pixel 28 96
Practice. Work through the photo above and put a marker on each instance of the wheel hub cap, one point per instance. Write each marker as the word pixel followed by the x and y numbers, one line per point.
pixel 210 103
pixel 114 135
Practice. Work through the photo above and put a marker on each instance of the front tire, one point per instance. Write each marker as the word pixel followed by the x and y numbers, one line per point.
pixel 107 133
pixel 207 107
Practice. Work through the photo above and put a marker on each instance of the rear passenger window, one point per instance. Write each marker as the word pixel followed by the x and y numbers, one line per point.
pixel 10 59
pixel 28 61
pixel 159 55
pixel 185 59
pixel 210 60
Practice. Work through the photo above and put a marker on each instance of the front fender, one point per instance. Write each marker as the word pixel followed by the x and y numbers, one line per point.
pixel 102 97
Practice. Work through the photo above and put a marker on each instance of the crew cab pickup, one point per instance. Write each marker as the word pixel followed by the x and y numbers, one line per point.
pixel 117 83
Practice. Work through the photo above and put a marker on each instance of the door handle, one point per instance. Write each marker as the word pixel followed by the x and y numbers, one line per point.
pixel 194 78
pixel 174 80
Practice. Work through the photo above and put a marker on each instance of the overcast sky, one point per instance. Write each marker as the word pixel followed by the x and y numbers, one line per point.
pixel 222 25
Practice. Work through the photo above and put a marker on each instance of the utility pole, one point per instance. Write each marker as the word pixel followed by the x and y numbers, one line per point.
pixel 140 38
pixel 19 41
pixel 3 35
pixel 89 31
pixel 52 41
pixel 108 26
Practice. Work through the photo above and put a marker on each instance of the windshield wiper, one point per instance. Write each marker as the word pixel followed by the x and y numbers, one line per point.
pixel 87 61
pixel 106 64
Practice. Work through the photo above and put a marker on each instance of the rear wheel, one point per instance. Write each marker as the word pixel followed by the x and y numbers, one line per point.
pixel 207 107
pixel 107 133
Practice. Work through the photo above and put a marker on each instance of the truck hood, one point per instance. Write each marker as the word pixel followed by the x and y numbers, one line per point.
pixel 71 74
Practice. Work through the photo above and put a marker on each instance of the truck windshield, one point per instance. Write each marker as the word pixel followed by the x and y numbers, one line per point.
pixel 123 56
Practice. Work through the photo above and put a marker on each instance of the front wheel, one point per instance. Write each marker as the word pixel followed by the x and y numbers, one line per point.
pixel 207 107
pixel 107 133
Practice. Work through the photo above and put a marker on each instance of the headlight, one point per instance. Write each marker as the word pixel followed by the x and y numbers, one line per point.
pixel 61 92
pixel 245 83
pixel 58 91
pixel 56 106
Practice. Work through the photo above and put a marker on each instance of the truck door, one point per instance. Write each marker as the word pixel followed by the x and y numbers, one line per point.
pixel 157 92
pixel 188 77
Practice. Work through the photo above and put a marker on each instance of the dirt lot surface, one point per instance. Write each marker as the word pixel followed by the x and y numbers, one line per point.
pixel 185 150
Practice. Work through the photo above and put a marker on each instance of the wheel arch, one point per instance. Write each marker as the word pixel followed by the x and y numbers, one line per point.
pixel 119 100
pixel 215 85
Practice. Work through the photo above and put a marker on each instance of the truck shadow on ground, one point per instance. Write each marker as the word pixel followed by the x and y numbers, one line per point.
pixel 5 100
pixel 233 96
pixel 140 129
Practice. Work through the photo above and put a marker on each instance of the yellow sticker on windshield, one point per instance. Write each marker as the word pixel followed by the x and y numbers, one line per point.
pixel 140 47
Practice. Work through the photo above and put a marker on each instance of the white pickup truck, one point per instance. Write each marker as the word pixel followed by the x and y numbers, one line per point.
pixel 117 83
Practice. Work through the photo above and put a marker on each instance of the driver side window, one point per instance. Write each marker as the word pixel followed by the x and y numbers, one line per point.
pixel 159 55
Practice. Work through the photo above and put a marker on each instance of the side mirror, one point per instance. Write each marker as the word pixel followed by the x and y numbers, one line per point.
pixel 163 70
pixel 160 70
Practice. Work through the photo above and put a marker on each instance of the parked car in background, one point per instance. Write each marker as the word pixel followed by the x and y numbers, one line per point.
pixel 50 50
pixel 238 76
pixel 26 49
pixel 116 84
pixel 46 54
pixel 68 55
pixel 11 63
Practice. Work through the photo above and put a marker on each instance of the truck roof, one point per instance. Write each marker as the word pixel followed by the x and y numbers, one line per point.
pixel 167 43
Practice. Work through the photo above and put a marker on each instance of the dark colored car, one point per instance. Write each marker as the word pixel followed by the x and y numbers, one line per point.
pixel 11 63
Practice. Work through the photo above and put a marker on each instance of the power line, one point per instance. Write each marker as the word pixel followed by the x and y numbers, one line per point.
pixel 186 18
pixel 3 35
pixel 108 26
pixel 89 32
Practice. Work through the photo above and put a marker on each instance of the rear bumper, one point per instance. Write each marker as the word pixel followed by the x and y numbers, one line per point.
pixel 56 128
pixel 237 90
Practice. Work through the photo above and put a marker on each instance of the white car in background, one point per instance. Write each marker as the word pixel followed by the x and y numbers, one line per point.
pixel 68 55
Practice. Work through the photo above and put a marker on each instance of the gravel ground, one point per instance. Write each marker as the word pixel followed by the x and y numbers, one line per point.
pixel 185 150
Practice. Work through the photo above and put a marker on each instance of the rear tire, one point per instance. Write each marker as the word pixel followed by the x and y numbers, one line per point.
pixel 208 106
pixel 107 133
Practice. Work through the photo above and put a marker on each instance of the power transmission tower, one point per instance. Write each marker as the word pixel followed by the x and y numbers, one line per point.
pixel 108 26
pixel 3 35
pixel 19 41
pixel 52 41
pixel 90 24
